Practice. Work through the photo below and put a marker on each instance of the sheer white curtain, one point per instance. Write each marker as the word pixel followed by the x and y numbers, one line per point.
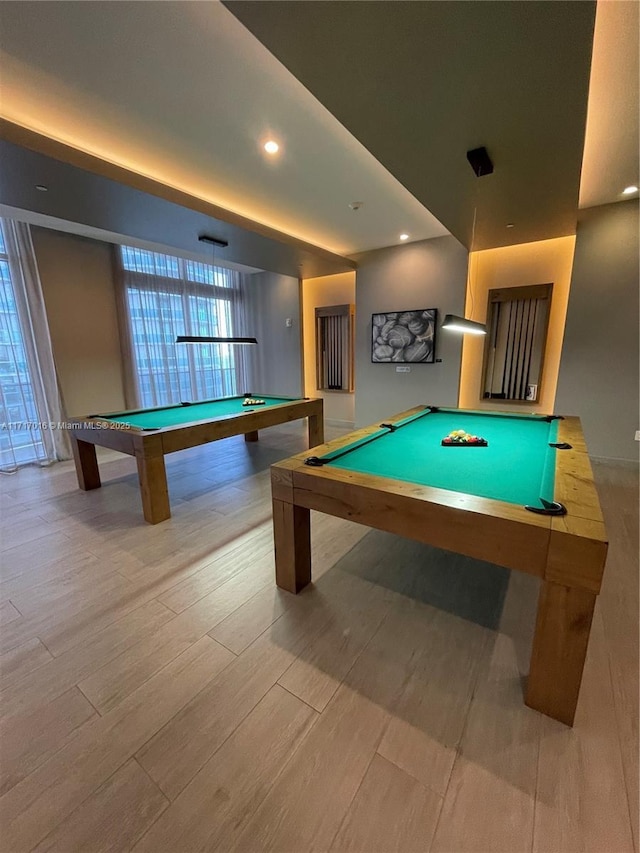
pixel 160 297
pixel 31 410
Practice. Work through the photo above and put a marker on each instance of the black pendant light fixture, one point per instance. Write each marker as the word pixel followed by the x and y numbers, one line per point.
pixel 201 339
pixel 481 164
pixel 207 339
pixel 454 323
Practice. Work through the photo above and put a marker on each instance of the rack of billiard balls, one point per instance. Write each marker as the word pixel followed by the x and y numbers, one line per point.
pixel 460 438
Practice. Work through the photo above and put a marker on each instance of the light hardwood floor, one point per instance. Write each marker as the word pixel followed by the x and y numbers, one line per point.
pixel 160 694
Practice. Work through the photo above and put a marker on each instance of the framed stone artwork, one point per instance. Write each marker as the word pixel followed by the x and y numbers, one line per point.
pixel 404 337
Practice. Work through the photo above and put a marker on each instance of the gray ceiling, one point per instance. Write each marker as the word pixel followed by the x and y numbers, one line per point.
pixel 182 93
pixel 128 208
pixel 162 107
pixel 420 83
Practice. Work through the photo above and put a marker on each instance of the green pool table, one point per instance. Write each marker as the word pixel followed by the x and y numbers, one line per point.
pixel 149 434
pixel 526 501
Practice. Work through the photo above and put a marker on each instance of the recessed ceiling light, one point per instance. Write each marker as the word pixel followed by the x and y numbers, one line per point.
pixel 271 147
pixel 42 188
pixel 511 224
pixel 404 236
pixel 356 205
pixel 629 190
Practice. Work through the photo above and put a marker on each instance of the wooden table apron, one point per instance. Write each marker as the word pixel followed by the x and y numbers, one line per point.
pixel 567 552
pixel 150 446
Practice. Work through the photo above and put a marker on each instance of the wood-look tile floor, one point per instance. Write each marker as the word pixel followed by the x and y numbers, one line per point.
pixel 160 694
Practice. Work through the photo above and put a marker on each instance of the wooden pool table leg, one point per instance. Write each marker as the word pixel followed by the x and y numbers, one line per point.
pixel 84 456
pixel 559 650
pixel 316 430
pixel 153 487
pixel 251 436
pixel 292 539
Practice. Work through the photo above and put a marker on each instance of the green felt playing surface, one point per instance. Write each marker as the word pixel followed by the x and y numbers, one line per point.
pixel 205 411
pixel 518 466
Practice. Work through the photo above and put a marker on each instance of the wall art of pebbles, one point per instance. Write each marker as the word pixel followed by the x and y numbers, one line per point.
pixel 404 336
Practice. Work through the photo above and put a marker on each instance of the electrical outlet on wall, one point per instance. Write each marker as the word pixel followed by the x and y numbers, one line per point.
pixel 638 435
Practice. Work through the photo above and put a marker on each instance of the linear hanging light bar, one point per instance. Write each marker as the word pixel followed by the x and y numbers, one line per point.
pixel 208 339
pixel 481 164
pixel 454 323
pixel 195 339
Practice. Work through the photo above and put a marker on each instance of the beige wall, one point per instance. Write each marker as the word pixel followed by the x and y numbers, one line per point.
pixel 514 266
pixel 77 282
pixel 339 407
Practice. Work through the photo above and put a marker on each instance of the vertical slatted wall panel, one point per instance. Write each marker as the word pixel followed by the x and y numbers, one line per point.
pixel 334 347
pixel 516 340
pixel 523 317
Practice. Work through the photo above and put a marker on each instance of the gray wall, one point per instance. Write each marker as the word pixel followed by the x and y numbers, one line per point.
pixel 430 274
pixel 276 363
pixel 598 377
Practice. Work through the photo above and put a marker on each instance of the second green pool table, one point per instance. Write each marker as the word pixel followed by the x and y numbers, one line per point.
pixel 526 501
pixel 149 434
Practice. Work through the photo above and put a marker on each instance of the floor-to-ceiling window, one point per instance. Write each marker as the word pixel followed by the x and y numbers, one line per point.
pixel 21 440
pixel 167 296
